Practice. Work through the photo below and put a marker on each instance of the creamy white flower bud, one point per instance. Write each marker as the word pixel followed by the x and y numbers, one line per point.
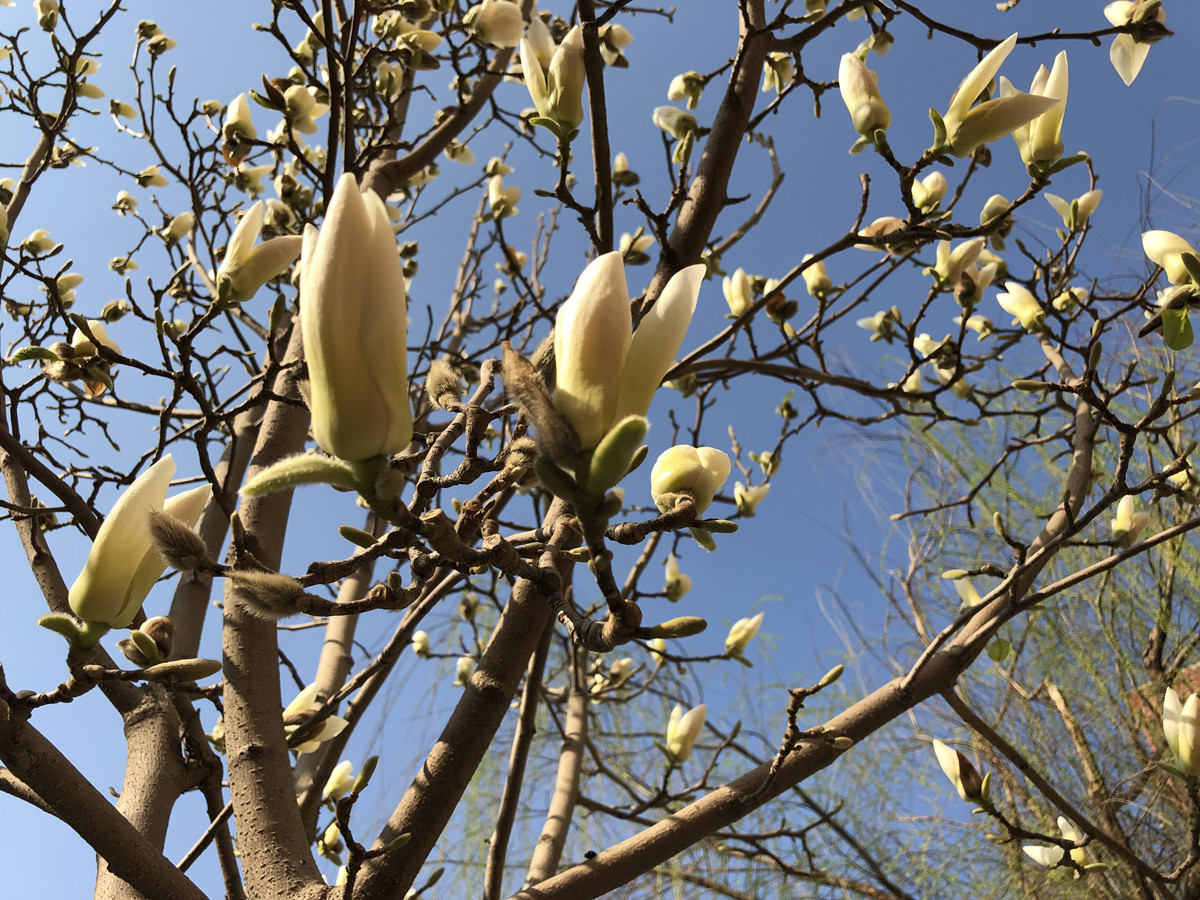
pixel 682 731
pixel 740 635
pixel 353 312
pixel 1022 306
pixel 860 92
pixel 123 564
pixel 496 22
pixel 1181 726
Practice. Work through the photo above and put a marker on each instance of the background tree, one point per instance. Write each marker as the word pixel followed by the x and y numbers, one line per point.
pixel 496 530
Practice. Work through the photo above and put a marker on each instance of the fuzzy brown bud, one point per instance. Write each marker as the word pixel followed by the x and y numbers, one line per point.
pixel 184 670
pixel 161 630
pixel 267 594
pixel 178 544
pixel 138 649
pixel 555 437
pixel 442 384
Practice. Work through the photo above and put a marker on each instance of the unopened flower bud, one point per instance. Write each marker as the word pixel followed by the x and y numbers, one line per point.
pixel 740 635
pixel 698 472
pixel 962 774
pixel 682 731
pixel 677 584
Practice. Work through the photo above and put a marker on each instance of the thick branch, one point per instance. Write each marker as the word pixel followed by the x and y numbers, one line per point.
pixel 38 764
pixel 431 799
pixel 271 835
pixel 548 851
pixel 518 757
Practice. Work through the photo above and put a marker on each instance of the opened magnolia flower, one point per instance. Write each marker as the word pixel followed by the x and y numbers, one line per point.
pixel 246 267
pixel 633 247
pixel 1075 213
pixel 1022 306
pixel 927 193
pixel 682 731
pixel 178 228
pixel 674 121
pixel 968 127
pixel 302 709
pixel 882 325
pixel 557 85
pixel 740 635
pixel 778 70
pixel 301 109
pixel 605 372
pixel 1129 51
pixel 1128 524
pixel 613 39
pixel 124 564
pixel 353 312
pixel 47 13
pixel 151 177
pixel 981 325
pixel 962 774
pixel 696 472
pixel 496 22
pixel 748 498
pixel 1052 856
pixel 860 92
pixel 1039 141
pixel 1181 726
pixel 951 263
pixel 341 780
pixel 502 200
pixel 1166 249
pixel 1070 299
pixel 83 346
pixel 687 86
pixel 619 671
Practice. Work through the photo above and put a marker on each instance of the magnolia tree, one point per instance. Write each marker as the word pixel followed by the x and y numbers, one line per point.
pixel 481 445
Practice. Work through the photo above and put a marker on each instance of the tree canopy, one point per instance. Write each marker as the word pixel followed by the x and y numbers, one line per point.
pixel 575 474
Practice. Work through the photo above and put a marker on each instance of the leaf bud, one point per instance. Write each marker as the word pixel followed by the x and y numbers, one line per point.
pixel 184 670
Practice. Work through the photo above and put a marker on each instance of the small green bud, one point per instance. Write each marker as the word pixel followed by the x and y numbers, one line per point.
pixel 140 649
pixel 1030 384
pixel 59 623
pixel 357 536
pixel 684 626
pixel 842 742
pixel 831 676
pixel 719 526
pixel 556 480
pixel 184 670
pixel 703 538
pixel 614 454
pixel 307 468
pixel 364 776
